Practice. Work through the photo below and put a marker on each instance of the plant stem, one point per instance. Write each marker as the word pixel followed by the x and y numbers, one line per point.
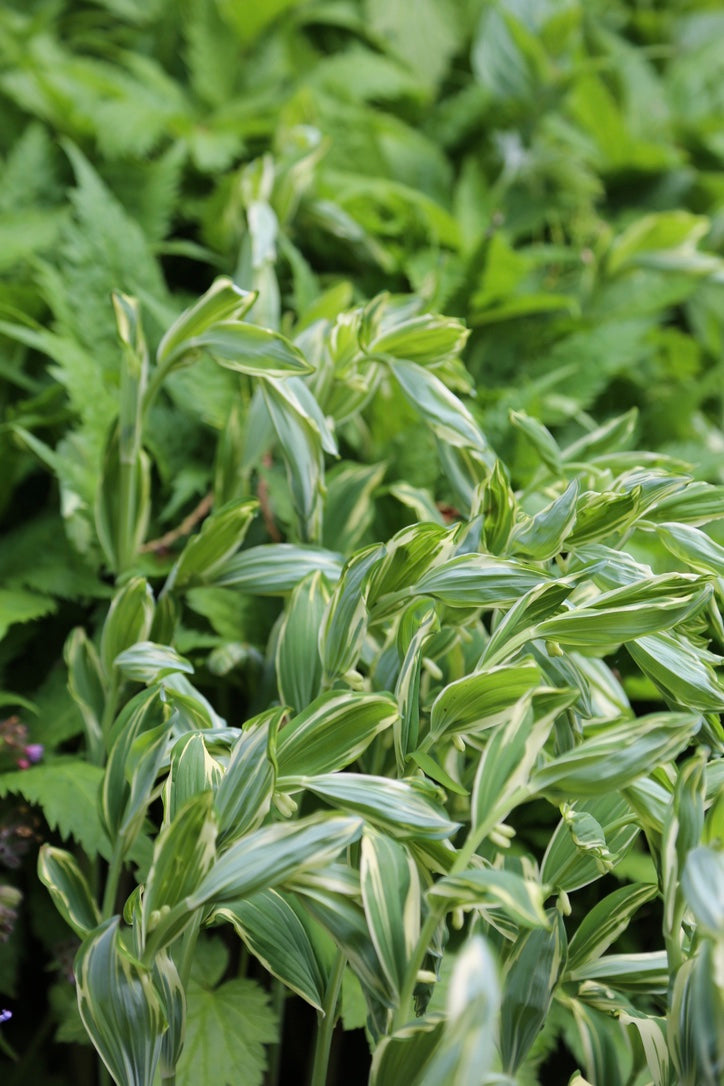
pixel 112 880
pixel 325 1026
pixel 414 965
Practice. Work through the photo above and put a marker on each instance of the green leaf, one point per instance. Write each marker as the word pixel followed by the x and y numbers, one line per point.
pixel 648 972
pixel 273 569
pixel 226 1030
pixel 540 438
pixel 349 506
pixel 607 920
pixel 301 446
pixel 192 770
pixel 343 627
pixel 692 546
pixel 243 797
pixel 71 895
pixel 418 623
pixel 616 756
pixel 445 414
pixel 66 790
pixel 497 504
pixel 298 661
pixel 143 714
pixel 427 339
pixel 222 300
pixel 86 684
pixel 542 536
pixel 681 670
pixel 407 555
pixel 275 934
pixel 120 1008
pixel 481 700
pixel 569 864
pixel 520 898
pixel 220 537
pixel 247 348
pixel 332 732
pixel 696 1042
pixel 479 580
pixel 403 1055
pixel 531 976
pixel 128 621
pixel 392 902
pixel 146 662
pixel 183 853
pixel 405 809
pixel 702 882
pixel 17 605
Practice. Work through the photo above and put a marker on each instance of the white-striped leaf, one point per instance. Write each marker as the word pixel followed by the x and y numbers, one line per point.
pixel 332 732
pixel 481 700
pixel 531 977
pixel 244 795
pixel 71 895
pixel 298 663
pixel 343 628
pixel 273 569
pixel 391 896
pixel 521 899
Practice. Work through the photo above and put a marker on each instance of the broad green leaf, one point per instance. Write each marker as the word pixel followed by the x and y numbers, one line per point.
pixel 145 662
pixel 466 1048
pixel 243 797
pixel 392 902
pixel 682 671
pixel 273 569
pixel 542 536
pixel 692 546
pixel 343 627
pixel 405 809
pixel 226 1029
pixel 407 555
pixel 616 756
pixel 183 853
pixel 170 988
pixel 521 899
pixel 647 972
pixel 698 503
pixel 599 515
pixel 530 978
pixel 695 1033
pixel 610 437
pixel 128 621
pixel 247 348
pixel 220 537
pixel 478 580
pixel 120 1008
pixel 274 933
pixel 540 438
pixel 86 684
pixel 606 921
pixel 481 700
pixel 628 613
pixel 18 605
pixel 349 505
pixel 568 866
pixel 445 414
pixel 143 713
pixel 663 238
pixel 497 504
pixel 298 662
pixel 518 625
pixel 192 770
pixel 427 339
pixel 59 871
pixel 301 446
pixel 652 1033
pixel 702 883
pixel 332 732
pixel 223 299
pixel 403 1055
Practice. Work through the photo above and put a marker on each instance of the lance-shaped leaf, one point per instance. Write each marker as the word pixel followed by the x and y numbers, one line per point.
pixel 506 764
pixel 145 662
pixel 392 901
pixel 403 1055
pixel 220 537
pixel 274 933
pixel 170 988
pixel 681 670
pixel 539 438
pixel 427 338
pixel 407 555
pixel 542 536
pixel 301 446
pixel 652 1034
pixel 466 1050
pixel 567 866
pixel 518 625
pixel 119 1005
pixel 418 621
pixel 616 756
pixel 702 882
pixel 608 919
pixel 629 612
pixel 183 853
pixel 298 663
pixel 273 569
pixel 681 832
pixel 446 415
pixel 261 860
pixel 344 624
pixel 481 700
pixel 86 684
pixel 192 770
pixel 599 515
pixel 521 899
pixel 478 580
pixel 646 973
pixel 221 301
pixel 696 503
pixel 349 506
pixel 250 349
pixel 145 758
pixel 531 976
pixel 612 436
pixel 344 919
pixel 496 503
pixel 695 1022
pixel 244 795
pixel 123 504
pixel 143 713
pixel 405 809
pixel 59 871
pixel 128 620
pixel 332 732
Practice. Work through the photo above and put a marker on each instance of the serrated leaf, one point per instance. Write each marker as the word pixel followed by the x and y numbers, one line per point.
pixel 67 792
pixel 226 1029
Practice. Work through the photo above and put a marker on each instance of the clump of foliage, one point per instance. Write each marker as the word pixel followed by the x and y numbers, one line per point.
pixel 340 671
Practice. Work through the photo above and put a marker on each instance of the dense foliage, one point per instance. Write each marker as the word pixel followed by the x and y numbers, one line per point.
pixel 361 663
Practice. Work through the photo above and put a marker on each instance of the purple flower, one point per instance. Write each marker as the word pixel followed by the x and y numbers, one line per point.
pixel 5 1015
pixel 34 752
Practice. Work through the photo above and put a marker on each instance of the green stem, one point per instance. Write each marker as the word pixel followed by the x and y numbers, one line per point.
pixel 325 1025
pixel 112 879
pixel 401 1015
pixel 274 1051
